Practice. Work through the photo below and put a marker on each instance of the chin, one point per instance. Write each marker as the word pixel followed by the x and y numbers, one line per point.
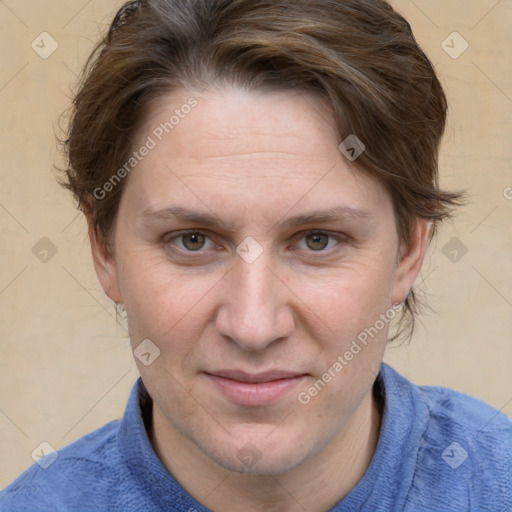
pixel 261 456
pixel 275 465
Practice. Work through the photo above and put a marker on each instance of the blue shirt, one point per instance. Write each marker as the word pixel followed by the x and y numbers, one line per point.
pixel 438 450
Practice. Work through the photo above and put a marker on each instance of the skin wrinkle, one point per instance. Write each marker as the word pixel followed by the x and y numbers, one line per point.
pixel 289 309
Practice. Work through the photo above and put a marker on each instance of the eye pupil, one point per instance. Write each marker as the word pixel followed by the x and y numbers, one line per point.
pixel 197 241
pixel 317 241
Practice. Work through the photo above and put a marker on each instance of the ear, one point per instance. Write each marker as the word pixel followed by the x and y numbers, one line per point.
pixel 104 264
pixel 410 261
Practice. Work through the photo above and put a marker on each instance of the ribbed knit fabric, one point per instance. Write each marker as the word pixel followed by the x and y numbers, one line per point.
pixel 438 451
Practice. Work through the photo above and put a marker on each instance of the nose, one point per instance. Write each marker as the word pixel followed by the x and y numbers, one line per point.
pixel 257 308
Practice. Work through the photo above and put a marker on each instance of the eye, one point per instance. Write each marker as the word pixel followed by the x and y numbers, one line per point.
pixel 319 241
pixel 198 242
pixel 191 241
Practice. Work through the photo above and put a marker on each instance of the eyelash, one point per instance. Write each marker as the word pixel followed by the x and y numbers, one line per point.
pixel 338 238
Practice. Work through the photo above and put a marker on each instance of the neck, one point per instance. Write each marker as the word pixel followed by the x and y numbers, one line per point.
pixel 316 485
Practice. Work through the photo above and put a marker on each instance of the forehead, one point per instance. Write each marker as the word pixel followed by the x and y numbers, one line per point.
pixel 227 120
pixel 280 147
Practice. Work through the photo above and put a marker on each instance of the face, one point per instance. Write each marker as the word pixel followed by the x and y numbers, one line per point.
pixel 253 255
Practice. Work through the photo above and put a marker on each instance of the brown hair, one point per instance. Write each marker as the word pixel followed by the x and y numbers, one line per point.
pixel 360 55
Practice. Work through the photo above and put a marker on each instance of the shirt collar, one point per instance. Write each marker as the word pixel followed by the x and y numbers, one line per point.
pixel 152 478
pixel 387 481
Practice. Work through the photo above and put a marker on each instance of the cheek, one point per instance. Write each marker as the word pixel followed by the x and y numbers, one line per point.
pixel 159 300
pixel 349 307
pixel 352 298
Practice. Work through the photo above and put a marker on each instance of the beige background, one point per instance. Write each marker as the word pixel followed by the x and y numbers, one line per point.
pixel 65 365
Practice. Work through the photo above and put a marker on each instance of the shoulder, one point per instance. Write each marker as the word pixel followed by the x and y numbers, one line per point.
pixel 457 414
pixel 453 451
pixel 447 412
pixel 465 451
pixel 74 474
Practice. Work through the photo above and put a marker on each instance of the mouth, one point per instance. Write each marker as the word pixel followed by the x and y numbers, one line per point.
pixel 250 389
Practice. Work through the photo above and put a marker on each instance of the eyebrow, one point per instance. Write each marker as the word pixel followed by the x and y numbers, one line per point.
pixel 331 215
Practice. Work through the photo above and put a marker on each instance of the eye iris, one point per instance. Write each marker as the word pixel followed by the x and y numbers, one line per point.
pixel 317 241
pixel 197 241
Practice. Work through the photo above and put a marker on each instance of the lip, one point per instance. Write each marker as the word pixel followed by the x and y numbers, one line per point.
pixel 254 390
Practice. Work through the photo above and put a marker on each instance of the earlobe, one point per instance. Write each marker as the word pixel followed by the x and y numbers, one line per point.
pixel 411 260
pixel 104 264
